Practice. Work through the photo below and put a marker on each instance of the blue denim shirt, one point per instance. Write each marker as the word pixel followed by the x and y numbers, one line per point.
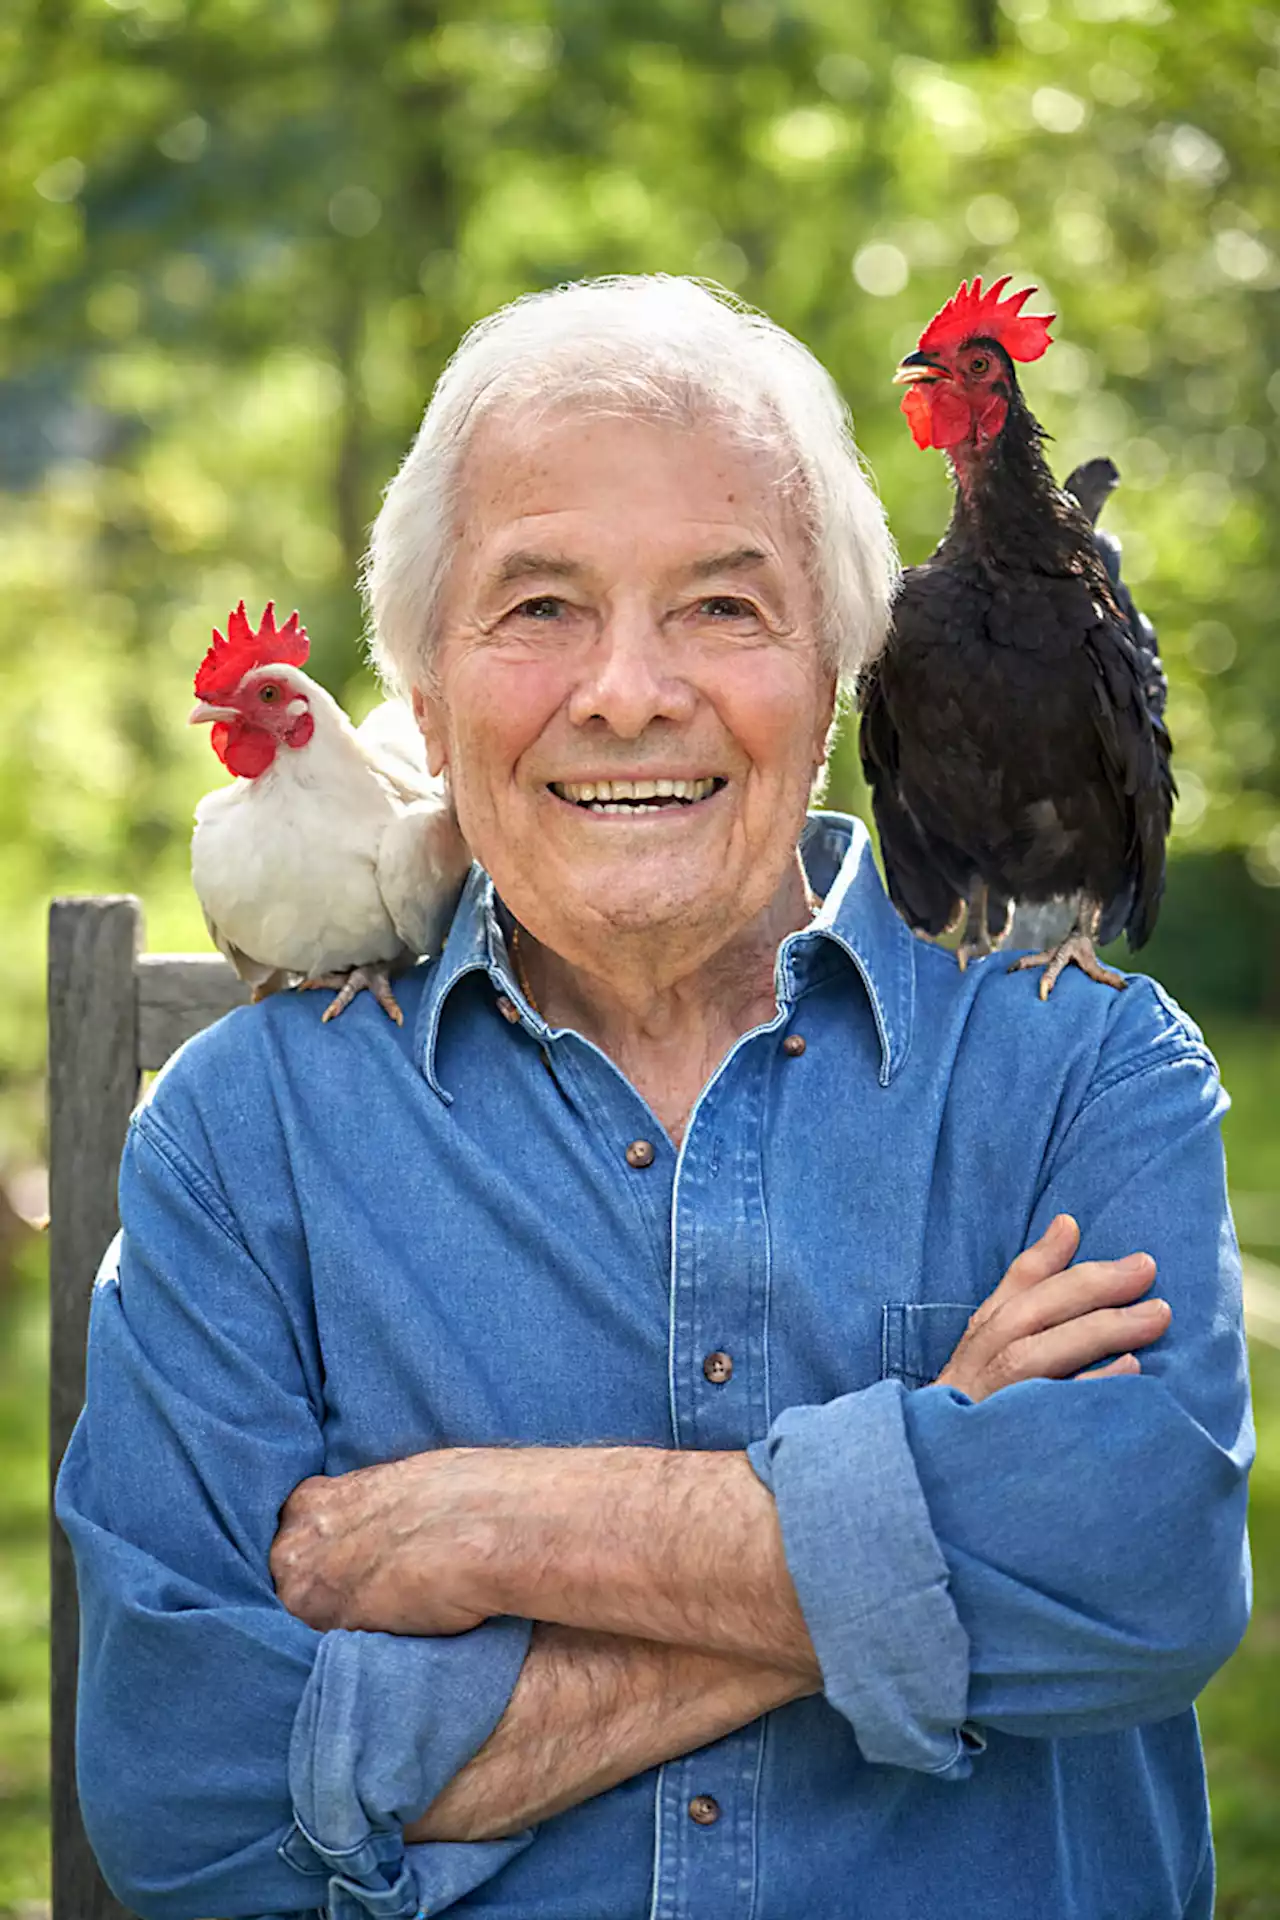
pixel 345 1244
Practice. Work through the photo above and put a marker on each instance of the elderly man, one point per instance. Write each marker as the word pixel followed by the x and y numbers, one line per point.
pixel 577 1456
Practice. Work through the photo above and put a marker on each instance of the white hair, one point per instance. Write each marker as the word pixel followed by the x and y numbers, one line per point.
pixel 652 345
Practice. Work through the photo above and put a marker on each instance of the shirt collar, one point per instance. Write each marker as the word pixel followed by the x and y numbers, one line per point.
pixel 856 919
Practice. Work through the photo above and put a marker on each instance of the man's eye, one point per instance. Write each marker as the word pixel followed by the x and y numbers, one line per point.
pixel 727 606
pixel 543 606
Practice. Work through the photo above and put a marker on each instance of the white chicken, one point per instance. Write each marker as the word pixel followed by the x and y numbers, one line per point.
pixel 334 856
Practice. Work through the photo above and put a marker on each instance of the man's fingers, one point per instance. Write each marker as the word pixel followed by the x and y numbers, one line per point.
pixel 1127 1363
pixel 1016 1311
pixel 1063 1351
pixel 1054 1250
pixel 1050 1320
pixel 1080 1290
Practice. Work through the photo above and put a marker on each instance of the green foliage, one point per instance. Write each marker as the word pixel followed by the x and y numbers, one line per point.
pixel 1217 945
pixel 1237 1709
pixel 24 1578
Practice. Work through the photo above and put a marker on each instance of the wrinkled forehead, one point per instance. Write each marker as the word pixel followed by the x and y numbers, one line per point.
pixel 647 475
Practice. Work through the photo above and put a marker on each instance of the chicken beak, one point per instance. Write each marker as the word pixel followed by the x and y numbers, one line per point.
pixel 203 712
pixel 920 366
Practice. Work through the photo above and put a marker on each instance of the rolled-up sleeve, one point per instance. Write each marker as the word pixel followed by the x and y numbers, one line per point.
pixel 870 1577
pixel 231 1759
pixel 1065 1556
pixel 346 1777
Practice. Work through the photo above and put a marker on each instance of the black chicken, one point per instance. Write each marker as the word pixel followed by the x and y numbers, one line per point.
pixel 1012 731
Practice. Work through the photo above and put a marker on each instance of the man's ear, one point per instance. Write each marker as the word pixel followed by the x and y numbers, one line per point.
pixel 828 721
pixel 428 711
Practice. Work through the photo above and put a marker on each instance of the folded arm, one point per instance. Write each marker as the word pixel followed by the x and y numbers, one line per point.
pixel 678 1547
pixel 590 1710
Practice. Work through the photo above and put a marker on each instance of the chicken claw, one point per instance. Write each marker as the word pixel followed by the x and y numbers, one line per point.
pixel 974 949
pixel 1078 948
pixel 369 979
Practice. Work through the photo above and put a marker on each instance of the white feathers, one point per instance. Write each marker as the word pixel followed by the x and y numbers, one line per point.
pixel 344 853
pixel 391 738
pixel 422 861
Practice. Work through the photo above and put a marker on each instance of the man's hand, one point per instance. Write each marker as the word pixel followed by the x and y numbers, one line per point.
pixel 1049 1320
pixel 345 1547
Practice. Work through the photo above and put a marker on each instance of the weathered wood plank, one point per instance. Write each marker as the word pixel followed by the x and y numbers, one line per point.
pixel 178 995
pixel 93 1081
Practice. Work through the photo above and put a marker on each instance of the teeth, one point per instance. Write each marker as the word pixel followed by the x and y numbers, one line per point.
pixel 604 795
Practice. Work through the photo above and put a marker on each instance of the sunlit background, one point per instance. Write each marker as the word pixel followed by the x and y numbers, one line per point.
pixel 238 238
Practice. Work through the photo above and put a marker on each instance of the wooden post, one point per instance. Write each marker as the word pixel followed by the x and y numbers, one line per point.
pixel 93 1084
pixel 179 994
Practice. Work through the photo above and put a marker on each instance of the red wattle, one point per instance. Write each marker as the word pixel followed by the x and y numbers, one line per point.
pixel 950 419
pixel 915 405
pixel 247 751
pixel 939 416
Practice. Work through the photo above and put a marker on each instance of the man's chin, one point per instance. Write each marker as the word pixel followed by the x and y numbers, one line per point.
pixel 700 908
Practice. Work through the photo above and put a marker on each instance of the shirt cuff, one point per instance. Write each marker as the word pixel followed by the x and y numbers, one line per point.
pixel 871 1578
pixel 384 1724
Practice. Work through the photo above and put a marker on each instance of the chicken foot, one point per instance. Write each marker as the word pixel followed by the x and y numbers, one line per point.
pixel 1077 949
pixel 368 979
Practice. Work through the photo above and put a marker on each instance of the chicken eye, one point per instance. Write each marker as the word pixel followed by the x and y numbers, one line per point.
pixel 979 363
pixel 268 693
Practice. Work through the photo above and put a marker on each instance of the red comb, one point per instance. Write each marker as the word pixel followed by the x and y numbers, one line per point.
pixel 228 661
pixel 970 313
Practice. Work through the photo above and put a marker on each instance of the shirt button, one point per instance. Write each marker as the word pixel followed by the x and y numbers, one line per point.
pixel 640 1153
pixel 794 1044
pixel 508 1009
pixel 717 1367
pixel 704 1809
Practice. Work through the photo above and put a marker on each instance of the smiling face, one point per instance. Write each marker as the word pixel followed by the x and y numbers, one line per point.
pixel 629 695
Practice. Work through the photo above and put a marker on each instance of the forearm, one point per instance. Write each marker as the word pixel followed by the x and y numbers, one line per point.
pixel 590 1710
pixel 678 1547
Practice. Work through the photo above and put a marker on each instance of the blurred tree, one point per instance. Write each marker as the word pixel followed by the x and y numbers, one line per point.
pixel 237 243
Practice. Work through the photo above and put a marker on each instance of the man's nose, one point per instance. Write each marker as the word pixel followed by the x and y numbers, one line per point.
pixel 633 676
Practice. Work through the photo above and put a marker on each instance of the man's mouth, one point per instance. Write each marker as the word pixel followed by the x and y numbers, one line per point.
pixel 635 796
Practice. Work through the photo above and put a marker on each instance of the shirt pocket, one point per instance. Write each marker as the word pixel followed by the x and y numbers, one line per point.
pixel 917 1340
